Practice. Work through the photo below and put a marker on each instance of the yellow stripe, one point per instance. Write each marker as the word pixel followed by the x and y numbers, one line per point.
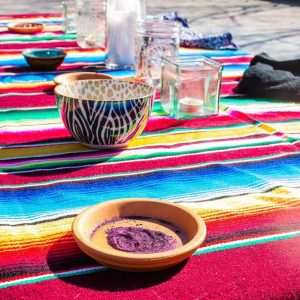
pixel 245 205
pixel 267 128
pixel 287 128
pixel 194 136
pixel 25 85
pixel 14 238
pixel 23 123
pixel 141 141
pixel 26 236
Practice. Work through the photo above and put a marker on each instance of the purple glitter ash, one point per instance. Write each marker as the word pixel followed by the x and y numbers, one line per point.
pixel 135 218
pixel 139 240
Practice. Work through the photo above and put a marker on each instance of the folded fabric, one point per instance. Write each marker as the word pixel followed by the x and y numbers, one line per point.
pixel 190 38
pixel 292 65
pixel 270 78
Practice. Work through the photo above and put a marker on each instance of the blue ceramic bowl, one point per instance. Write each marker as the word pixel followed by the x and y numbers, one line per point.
pixel 45 59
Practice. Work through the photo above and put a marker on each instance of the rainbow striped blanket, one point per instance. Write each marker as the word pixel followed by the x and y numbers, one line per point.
pixel 239 170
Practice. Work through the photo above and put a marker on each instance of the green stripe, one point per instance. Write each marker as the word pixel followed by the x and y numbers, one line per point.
pixel 247 242
pixel 22 115
pixel 38 38
pixel 154 154
pixel 116 175
pixel 52 276
pixel 204 250
pixel 247 101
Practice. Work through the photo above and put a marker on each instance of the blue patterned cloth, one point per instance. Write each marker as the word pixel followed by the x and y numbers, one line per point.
pixel 190 38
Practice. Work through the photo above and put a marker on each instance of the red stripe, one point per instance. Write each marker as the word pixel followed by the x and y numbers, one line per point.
pixel 39 87
pixel 69 50
pixel 33 136
pixel 38 44
pixel 167 123
pixel 276 116
pixel 154 124
pixel 234 59
pixel 24 16
pixel 64 250
pixel 217 275
pixel 28 101
pixel 133 166
pixel 49 99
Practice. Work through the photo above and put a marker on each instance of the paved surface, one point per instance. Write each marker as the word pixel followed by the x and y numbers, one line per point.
pixel 256 25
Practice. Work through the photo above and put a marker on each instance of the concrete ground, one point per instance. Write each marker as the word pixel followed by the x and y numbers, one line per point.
pixel 271 26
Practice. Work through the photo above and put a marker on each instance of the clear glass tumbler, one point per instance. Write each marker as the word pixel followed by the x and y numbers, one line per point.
pixel 91 23
pixel 190 86
pixel 121 17
pixel 69 8
pixel 154 40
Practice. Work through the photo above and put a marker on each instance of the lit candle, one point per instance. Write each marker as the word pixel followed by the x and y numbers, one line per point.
pixel 190 105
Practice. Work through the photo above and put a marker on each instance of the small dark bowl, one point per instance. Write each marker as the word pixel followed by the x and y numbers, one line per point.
pixel 44 59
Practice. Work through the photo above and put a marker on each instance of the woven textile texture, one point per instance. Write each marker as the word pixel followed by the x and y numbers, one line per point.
pixel 239 170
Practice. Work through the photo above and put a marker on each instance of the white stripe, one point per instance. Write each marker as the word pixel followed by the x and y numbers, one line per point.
pixel 51 276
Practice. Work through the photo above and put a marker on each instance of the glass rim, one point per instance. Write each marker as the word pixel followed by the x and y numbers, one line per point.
pixel 186 60
pixel 157 26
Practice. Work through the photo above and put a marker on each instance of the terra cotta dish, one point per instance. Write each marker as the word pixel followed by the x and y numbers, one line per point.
pixel 64 78
pixel 25 27
pixel 86 223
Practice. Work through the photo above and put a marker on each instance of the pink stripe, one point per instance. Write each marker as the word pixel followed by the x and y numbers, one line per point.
pixel 88 154
pixel 48 99
pixel 154 124
pixel 162 162
pixel 38 44
pixel 34 15
pixel 276 116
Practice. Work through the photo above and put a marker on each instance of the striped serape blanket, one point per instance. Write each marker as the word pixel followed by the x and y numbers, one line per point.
pixel 239 170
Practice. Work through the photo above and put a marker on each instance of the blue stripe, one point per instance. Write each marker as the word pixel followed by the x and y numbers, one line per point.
pixel 49 22
pixel 43 76
pixel 21 62
pixel 69 59
pixel 201 183
pixel 213 53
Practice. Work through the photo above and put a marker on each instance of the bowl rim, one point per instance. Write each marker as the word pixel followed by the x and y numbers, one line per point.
pixel 14 25
pixel 190 246
pixel 57 78
pixel 26 53
pixel 150 94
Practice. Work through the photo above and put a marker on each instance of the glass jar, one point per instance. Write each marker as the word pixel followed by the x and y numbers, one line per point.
pixel 69 9
pixel 154 40
pixel 190 86
pixel 91 23
pixel 121 17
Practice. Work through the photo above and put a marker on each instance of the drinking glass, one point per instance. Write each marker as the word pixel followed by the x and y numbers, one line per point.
pixel 121 16
pixel 69 8
pixel 91 23
pixel 154 40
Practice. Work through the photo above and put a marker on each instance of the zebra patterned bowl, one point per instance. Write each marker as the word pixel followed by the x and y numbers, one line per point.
pixel 104 113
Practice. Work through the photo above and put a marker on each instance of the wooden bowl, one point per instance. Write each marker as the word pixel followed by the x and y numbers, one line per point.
pixel 64 78
pixel 86 224
pixel 25 27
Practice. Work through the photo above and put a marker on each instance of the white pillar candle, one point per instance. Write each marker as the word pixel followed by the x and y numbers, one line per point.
pixel 190 105
pixel 121 20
